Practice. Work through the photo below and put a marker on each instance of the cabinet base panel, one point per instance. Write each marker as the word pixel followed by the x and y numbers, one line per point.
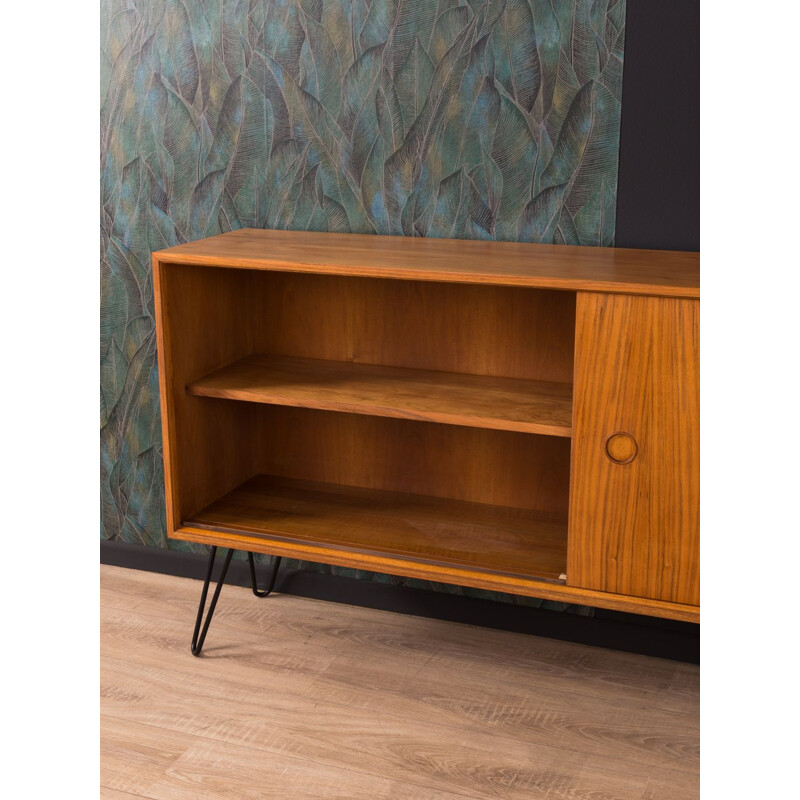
pixel 507 541
pixel 545 590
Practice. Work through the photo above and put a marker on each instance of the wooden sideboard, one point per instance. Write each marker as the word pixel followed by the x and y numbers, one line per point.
pixel 515 417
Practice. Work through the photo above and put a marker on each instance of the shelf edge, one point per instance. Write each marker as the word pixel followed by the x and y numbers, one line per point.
pixel 196 389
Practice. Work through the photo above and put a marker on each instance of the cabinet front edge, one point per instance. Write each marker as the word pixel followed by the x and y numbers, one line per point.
pixel 458 576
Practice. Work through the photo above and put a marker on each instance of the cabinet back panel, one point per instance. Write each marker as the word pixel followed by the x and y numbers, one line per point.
pixel 472 464
pixel 484 330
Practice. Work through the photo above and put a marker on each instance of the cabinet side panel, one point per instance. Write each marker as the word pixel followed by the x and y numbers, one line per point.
pixel 634 527
pixel 165 396
pixel 203 318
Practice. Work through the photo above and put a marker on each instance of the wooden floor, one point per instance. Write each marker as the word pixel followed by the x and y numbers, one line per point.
pixel 298 698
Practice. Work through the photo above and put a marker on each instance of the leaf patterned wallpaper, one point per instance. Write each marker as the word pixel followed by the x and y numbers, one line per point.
pixel 449 118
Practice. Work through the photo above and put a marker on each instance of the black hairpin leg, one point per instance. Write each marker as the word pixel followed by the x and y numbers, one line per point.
pixel 270 583
pixel 197 641
pixel 199 636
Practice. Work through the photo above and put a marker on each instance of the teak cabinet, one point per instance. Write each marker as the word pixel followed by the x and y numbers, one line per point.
pixel 515 417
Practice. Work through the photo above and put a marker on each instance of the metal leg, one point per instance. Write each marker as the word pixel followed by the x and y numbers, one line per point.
pixel 197 643
pixel 270 583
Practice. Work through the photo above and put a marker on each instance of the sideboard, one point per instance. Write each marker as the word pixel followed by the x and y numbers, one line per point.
pixel 515 417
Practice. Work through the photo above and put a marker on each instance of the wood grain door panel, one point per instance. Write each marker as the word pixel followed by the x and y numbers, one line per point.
pixel 634 508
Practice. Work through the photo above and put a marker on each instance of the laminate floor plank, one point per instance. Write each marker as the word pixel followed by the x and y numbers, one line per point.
pixel 263 631
pixel 129 761
pixel 260 640
pixel 540 717
pixel 315 699
pixel 534 715
pixel 213 769
pixel 114 794
pixel 671 786
pixel 426 754
pixel 347 630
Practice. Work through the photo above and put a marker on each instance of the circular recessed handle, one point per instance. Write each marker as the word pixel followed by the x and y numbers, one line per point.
pixel 621 447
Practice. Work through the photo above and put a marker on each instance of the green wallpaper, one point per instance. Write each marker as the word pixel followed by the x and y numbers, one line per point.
pixel 478 120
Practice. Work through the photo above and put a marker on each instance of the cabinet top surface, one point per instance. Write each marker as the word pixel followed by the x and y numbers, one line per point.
pixel 600 269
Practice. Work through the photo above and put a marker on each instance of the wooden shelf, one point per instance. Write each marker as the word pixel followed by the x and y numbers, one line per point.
pixel 427 529
pixel 472 400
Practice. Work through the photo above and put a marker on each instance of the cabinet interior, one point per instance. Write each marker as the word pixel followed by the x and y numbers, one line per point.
pixel 422 419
